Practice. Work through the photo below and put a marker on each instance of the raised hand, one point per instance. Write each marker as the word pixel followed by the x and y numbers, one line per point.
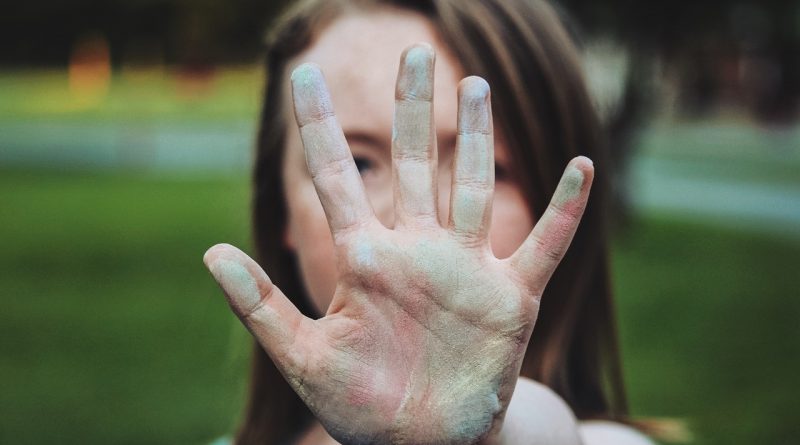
pixel 424 337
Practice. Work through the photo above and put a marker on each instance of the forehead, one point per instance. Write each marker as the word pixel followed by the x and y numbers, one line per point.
pixel 359 54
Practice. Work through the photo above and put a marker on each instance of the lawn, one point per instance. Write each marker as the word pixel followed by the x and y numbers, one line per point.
pixel 111 331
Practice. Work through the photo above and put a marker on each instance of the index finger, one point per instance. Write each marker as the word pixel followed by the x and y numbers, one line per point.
pixel 328 156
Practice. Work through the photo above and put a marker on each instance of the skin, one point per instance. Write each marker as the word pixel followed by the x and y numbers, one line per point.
pixel 362 86
pixel 428 270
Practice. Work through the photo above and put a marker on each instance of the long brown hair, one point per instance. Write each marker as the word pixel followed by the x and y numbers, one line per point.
pixel 542 107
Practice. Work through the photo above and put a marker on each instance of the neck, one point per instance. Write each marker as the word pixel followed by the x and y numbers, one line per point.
pixel 316 435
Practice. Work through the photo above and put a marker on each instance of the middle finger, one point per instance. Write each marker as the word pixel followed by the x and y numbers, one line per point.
pixel 414 140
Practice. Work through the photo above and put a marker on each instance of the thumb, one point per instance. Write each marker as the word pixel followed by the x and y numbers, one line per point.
pixel 263 308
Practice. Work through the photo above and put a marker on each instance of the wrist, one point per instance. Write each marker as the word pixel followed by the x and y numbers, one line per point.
pixel 535 414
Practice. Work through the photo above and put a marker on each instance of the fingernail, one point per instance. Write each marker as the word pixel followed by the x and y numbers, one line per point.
pixel 415 79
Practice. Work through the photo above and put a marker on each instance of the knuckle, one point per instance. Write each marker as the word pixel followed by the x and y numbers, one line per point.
pixel 475 184
pixel 331 169
pixel 566 213
pixel 552 254
pixel 315 116
pixel 251 314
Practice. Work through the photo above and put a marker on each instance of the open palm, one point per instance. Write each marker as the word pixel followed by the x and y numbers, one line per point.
pixel 426 331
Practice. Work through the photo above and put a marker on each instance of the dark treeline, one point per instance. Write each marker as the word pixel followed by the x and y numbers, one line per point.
pixel 38 33
pixel 41 31
pixel 748 49
pixel 714 47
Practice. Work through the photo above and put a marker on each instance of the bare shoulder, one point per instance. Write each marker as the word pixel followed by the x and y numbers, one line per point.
pixel 601 432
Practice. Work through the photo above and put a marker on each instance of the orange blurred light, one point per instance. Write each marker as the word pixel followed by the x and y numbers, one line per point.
pixel 90 70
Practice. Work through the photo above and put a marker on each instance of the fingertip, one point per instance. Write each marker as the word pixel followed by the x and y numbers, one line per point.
pixel 584 164
pixel 241 279
pixel 211 255
pixel 575 182
pixel 584 160
pixel 474 106
pixel 418 52
pixel 312 101
pixel 306 73
pixel 214 252
pixel 473 87
pixel 415 76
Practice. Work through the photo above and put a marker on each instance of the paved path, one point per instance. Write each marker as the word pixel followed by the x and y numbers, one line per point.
pixel 732 176
pixel 669 187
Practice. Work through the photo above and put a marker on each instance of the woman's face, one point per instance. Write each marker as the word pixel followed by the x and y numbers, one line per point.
pixel 359 55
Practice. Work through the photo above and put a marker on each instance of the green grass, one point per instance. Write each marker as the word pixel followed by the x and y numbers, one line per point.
pixel 111 331
pixel 709 329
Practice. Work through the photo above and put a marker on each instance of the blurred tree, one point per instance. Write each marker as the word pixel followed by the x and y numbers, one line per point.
pixel 714 52
pixel 42 32
pixel 717 50
pixel 750 49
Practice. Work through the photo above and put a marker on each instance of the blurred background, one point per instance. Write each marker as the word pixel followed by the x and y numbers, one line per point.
pixel 126 133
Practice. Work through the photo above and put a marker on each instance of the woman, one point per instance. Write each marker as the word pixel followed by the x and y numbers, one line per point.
pixel 420 249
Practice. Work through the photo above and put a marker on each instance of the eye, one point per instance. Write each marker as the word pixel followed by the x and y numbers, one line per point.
pixel 363 164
